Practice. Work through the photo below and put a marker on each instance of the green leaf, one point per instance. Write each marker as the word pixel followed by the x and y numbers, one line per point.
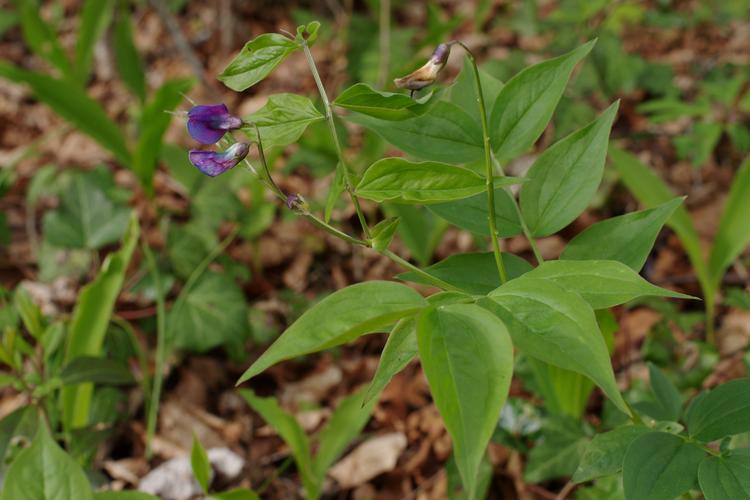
pixel 725 477
pixel 652 191
pixel 41 38
pixel 660 466
pixel 364 99
pixel 383 233
pixel 399 350
pixel 12 426
pixel 43 471
pixel 74 105
pixel 201 466
pixel 8 19
pixel 626 238
pixel 733 235
pixel 95 17
pixel 667 396
pixel 212 313
pixel 128 61
pixel 605 453
pixel 345 424
pixel 472 272
pixel 556 326
pixel 282 120
pixel 87 217
pixel 565 177
pixel 91 316
pixel 30 313
pixel 420 230
pixel 187 246
pixel 445 133
pixel 405 181
pixel 526 103
pixel 723 411
pixel 467 357
pixel 463 92
pixel 96 370
pixel 472 214
pixel 559 452
pixel 154 122
pixel 339 318
pixel 290 431
pixel 601 283
pixel 256 60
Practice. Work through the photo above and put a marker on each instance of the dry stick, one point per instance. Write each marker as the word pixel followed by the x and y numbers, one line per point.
pixel 332 126
pixel 489 173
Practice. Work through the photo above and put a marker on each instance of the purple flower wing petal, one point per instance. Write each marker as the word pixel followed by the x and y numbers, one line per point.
pixel 211 163
pixel 202 132
pixel 208 111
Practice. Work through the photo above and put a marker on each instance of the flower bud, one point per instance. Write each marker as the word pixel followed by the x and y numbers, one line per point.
pixel 427 74
pixel 208 123
pixel 212 163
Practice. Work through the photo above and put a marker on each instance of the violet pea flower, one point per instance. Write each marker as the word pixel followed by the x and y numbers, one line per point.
pixel 208 123
pixel 212 163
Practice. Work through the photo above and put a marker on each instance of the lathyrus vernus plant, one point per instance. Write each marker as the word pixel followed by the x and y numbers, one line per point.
pixel 488 303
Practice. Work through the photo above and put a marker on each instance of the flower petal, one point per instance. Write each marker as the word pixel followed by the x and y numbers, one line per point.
pixel 208 123
pixel 212 163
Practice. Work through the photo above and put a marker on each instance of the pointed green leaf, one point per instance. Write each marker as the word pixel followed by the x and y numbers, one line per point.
pixel 558 453
pixel 605 453
pixel 41 38
pixel 399 350
pixel 256 60
pixel 364 99
pixel 339 318
pixel 726 477
pixel 601 283
pixel 722 411
pixel 626 238
pixel 565 177
pixel 472 214
pixel 667 396
pixel 128 61
pixel 467 357
pixel 282 120
pixel 383 233
pixel 463 92
pixel 200 464
pixel 526 103
pixel 95 17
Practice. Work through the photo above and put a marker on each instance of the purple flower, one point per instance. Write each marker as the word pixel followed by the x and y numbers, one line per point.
pixel 292 200
pixel 212 163
pixel 208 123
pixel 427 74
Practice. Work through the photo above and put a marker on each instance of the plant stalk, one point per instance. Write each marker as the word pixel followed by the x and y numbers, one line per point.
pixel 348 183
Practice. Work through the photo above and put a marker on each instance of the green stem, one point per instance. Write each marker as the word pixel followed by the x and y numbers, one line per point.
pixel 348 183
pixel 158 382
pixel 489 174
pixel 332 230
pixel 411 267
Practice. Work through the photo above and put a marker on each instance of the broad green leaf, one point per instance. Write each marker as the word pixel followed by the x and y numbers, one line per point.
pixel 339 318
pixel 187 246
pixel 12 426
pixel 419 229
pixel 472 214
pixel 667 396
pixel 626 238
pixel 445 133
pixel 95 17
pixel 153 124
pixel 87 217
pixel 73 104
pixel 201 466
pixel 526 103
pixel 463 92
pixel 565 177
pixel 467 357
pixel 660 466
pixel 733 235
pixel 404 181
pixel 91 316
pixel 96 370
pixel 45 471
pixel 472 272
pixel 128 61
pixel 345 424
pixel 364 99
pixel 651 191
pixel 601 283
pixel 41 38
pixel 282 120
pixel 256 60
pixel 558 453
pixel 212 313
pixel 725 477
pixel 290 431
pixel 722 411
pixel 556 326
pixel 605 453
pixel 383 233
pixel 399 350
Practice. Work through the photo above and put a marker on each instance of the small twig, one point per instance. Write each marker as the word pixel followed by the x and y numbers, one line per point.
pixel 567 490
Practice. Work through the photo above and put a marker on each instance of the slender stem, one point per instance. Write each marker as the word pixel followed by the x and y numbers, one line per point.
pixel 525 228
pixel 332 230
pixel 158 382
pixel 332 126
pixel 489 174
pixel 411 267
pixel 262 155
pixel 385 42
